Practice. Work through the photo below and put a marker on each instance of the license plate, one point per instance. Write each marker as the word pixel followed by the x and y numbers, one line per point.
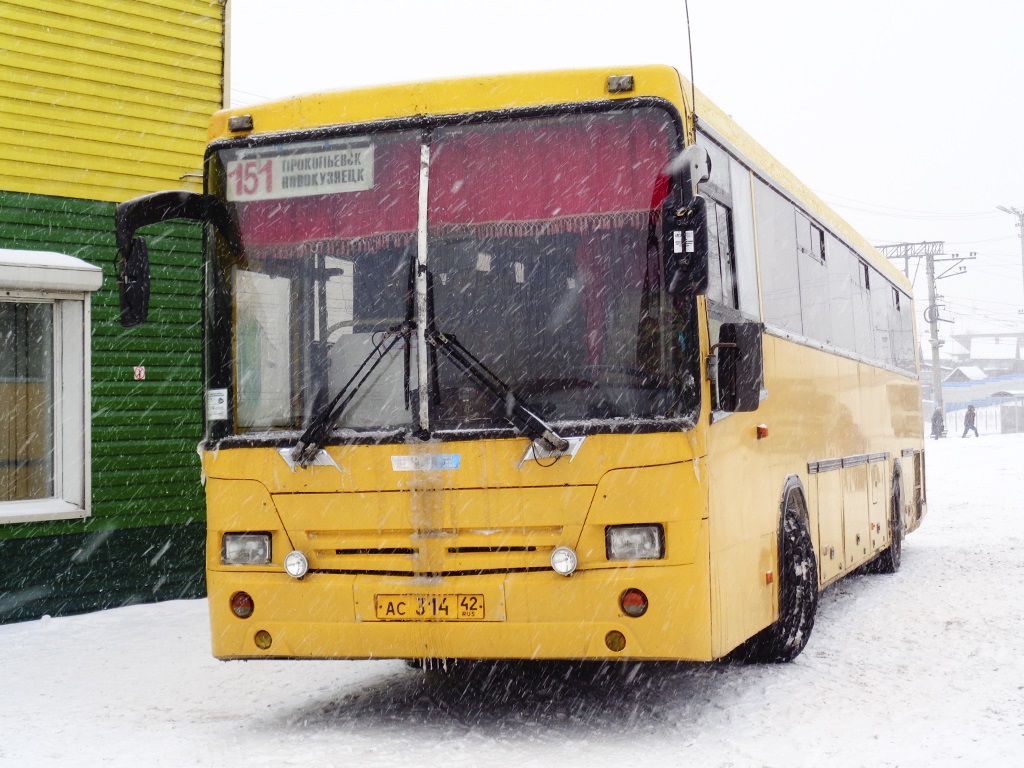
pixel 431 607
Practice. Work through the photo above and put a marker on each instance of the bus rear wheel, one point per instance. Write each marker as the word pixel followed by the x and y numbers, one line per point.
pixel 798 590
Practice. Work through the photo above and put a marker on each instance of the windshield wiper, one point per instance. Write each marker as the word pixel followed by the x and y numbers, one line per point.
pixel 319 429
pixel 525 420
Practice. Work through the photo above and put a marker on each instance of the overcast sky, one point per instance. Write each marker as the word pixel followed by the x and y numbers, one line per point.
pixel 905 115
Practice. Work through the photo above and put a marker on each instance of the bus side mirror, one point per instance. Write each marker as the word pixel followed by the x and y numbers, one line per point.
pixel 740 367
pixel 685 230
pixel 133 280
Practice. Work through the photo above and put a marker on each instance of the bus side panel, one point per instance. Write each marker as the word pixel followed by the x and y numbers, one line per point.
pixel 849 420
pixel 878 512
pixel 856 501
pixel 829 513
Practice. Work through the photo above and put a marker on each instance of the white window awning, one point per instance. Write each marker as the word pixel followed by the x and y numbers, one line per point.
pixel 47 271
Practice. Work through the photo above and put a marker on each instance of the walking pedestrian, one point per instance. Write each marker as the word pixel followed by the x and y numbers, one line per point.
pixel 969 419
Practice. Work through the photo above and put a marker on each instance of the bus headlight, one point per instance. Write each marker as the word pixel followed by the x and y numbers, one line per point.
pixel 296 564
pixel 245 549
pixel 635 542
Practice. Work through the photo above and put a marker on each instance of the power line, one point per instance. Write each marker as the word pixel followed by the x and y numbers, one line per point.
pixel 239 102
pixel 908 210
pixel 250 93
pixel 986 240
pixel 910 213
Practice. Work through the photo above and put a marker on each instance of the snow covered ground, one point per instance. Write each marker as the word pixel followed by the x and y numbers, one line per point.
pixel 923 668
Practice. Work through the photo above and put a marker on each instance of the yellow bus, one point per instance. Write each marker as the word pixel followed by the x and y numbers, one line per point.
pixel 544 366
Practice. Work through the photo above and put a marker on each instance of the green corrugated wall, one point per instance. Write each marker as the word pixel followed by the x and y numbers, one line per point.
pixel 100 101
pixel 144 540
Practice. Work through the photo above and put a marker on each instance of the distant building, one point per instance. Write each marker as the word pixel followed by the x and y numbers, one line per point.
pixel 965 373
pixel 974 366
pixel 100 500
pixel 997 354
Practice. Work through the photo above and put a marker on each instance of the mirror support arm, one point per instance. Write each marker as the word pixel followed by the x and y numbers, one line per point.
pixel 132 253
pixel 158 207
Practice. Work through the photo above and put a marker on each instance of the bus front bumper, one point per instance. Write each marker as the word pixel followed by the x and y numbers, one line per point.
pixel 534 615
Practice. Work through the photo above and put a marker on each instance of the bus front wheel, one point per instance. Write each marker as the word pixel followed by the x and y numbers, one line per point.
pixel 798 589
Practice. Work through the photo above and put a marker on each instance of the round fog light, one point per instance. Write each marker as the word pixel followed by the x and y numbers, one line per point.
pixel 242 605
pixel 633 602
pixel 615 641
pixel 263 640
pixel 296 564
pixel 563 560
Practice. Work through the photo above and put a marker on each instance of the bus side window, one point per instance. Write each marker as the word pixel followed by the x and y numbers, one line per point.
pixel 732 267
pixel 777 248
pixel 721 260
pixel 813 271
pixel 745 259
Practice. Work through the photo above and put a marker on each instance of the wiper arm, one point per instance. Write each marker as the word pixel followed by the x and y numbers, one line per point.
pixel 525 420
pixel 319 429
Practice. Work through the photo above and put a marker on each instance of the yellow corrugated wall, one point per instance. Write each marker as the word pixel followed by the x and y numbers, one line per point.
pixel 107 99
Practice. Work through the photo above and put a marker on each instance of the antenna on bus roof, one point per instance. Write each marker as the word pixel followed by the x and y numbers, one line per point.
pixel 689 46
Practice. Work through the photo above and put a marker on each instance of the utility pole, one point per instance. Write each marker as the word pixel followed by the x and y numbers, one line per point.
pixel 929 250
pixel 932 316
pixel 1019 213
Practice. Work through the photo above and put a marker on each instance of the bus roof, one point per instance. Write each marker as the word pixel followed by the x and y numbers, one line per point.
pixel 496 92
pixel 448 97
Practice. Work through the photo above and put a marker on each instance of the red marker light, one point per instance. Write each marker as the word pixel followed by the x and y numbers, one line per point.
pixel 242 605
pixel 633 602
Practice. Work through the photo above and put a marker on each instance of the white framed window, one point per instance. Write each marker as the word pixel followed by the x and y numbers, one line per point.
pixel 45 414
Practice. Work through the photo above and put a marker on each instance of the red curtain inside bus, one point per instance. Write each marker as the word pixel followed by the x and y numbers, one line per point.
pixel 579 175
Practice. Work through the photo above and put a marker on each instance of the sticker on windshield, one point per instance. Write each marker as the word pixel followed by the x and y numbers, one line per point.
pixel 426 463
pixel 217 405
pixel 302 170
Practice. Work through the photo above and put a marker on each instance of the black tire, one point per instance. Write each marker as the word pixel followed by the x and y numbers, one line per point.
pixel 892 556
pixel 798 590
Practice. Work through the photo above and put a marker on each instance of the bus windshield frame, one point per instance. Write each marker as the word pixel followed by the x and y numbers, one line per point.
pixel 532 238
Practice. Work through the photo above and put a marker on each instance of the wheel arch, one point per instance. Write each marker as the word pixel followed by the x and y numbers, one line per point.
pixel 798 587
pixel 793 484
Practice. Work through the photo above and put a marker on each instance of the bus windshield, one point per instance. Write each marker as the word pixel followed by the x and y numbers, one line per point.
pixel 531 241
